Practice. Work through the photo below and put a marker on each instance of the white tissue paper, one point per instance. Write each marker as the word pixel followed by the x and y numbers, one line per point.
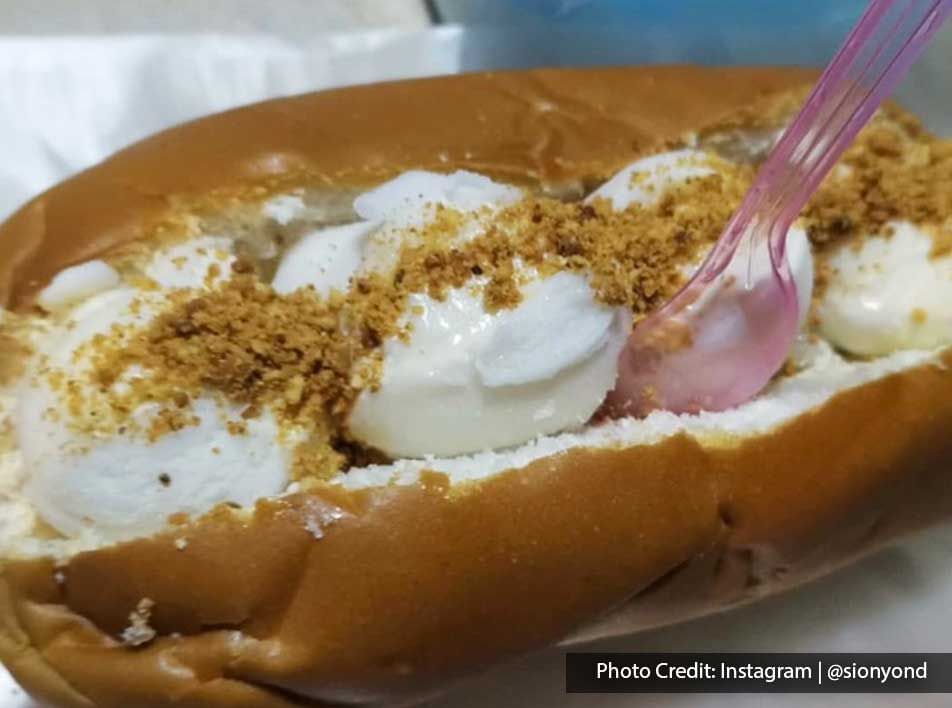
pixel 66 103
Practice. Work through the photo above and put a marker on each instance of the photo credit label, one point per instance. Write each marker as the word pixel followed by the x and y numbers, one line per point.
pixel 758 673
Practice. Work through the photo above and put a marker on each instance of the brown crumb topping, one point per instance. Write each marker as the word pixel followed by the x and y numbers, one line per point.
pixel 895 170
pixel 306 358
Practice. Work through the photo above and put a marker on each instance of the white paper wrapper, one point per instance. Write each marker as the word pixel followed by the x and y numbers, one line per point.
pixel 66 103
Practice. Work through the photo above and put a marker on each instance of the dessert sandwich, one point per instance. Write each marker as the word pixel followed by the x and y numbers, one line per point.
pixel 303 403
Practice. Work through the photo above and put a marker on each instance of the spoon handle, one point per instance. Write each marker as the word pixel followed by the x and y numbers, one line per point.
pixel 874 58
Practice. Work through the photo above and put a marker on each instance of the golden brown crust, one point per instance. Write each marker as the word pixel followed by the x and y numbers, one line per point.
pixel 414 586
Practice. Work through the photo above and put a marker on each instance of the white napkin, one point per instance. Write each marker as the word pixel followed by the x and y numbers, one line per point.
pixel 67 103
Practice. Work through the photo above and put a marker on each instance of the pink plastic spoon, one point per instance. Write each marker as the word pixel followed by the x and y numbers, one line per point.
pixel 728 331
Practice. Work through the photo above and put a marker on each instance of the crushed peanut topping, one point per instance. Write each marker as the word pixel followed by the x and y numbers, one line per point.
pixel 306 358
pixel 895 170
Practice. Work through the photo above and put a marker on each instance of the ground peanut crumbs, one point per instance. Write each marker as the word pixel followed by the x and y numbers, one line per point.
pixel 894 171
pixel 306 358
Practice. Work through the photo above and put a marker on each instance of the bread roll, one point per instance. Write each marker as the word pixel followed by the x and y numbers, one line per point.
pixel 388 583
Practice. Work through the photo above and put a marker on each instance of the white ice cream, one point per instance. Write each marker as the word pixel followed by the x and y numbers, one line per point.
pixel 470 381
pixel 123 485
pixel 325 259
pixel 888 293
pixel 800 258
pixel 404 200
pixel 467 380
pixel 645 180
pixel 16 516
pixel 187 264
pixel 76 283
pixel 411 200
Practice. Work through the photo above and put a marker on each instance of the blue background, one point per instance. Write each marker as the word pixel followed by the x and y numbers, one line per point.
pixel 519 33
